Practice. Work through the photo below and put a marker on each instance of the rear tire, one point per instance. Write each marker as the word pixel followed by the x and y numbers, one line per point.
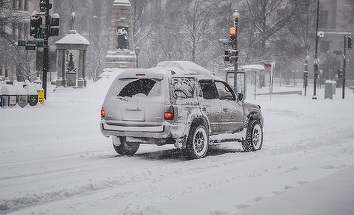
pixel 126 148
pixel 197 142
pixel 254 136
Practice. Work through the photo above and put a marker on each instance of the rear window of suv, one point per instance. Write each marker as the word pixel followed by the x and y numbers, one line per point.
pixel 133 87
pixel 183 87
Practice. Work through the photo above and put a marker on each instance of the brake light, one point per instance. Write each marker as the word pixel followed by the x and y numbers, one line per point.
pixel 140 74
pixel 102 113
pixel 169 114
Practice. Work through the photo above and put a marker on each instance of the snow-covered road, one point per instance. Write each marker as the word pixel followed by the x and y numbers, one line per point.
pixel 54 160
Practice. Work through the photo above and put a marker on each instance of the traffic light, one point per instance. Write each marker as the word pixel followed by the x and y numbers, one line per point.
pixel 340 73
pixel 316 71
pixel 315 67
pixel 227 55
pixel 306 67
pixel 349 42
pixel 43 5
pixel 35 25
pixel 54 25
pixel 233 33
pixel 306 75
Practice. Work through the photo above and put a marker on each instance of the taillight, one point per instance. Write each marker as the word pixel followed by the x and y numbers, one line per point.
pixel 170 114
pixel 102 113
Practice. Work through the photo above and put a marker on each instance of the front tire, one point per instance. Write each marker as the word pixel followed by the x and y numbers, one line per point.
pixel 126 148
pixel 254 136
pixel 197 142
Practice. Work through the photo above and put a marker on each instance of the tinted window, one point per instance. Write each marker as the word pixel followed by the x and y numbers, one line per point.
pixel 148 87
pixel 208 89
pixel 224 91
pixel 183 88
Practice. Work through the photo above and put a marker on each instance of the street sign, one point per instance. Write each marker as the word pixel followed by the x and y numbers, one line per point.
pixel 30 47
pixel 337 52
pixel 21 42
pixel 224 42
pixel 38 43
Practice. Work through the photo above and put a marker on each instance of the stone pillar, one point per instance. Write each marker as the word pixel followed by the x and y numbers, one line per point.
pixel 61 69
pixel 84 67
pixel 121 46
pixel 80 80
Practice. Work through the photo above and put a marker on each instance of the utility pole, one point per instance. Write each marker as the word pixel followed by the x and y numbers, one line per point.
pixel 315 65
pixel 50 28
pixel 306 73
pixel 347 45
pixel 46 48
pixel 234 32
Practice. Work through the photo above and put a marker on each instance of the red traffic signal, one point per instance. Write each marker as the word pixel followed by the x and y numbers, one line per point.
pixel 233 31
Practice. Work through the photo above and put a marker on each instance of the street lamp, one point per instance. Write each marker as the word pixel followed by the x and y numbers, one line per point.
pixel 306 72
pixel 137 51
pixel 315 65
pixel 236 18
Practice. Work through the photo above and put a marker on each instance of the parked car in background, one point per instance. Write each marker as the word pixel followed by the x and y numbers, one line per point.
pixel 180 103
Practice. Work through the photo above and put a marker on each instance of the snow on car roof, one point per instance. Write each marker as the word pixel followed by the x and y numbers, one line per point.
pixel 167 68
pixel 185 67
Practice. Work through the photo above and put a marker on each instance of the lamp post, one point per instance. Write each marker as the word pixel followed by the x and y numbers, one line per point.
pixel 236 17
pixel 315 66
pixel 306 73
pixel 137 51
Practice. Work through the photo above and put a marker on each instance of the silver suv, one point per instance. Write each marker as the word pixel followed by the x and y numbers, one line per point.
pixel 180 103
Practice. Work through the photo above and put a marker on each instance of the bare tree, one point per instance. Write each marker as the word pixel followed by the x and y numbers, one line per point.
pixel 267 18
pixel 14 57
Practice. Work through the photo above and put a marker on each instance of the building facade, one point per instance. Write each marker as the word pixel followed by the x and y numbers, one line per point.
pixel 336 20
pixel 13 58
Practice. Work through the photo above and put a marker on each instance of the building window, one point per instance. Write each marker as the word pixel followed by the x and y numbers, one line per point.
pixel 323 19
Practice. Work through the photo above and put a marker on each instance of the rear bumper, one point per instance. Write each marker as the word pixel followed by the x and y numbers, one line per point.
pixel 157 132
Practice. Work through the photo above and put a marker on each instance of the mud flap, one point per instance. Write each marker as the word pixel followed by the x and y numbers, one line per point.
pixel 116 141
pixel 181 142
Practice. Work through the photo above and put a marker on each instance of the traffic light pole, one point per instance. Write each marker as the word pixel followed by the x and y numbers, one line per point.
pixel 315 75
pixel 46 50
pixel 236 17
pixel 234 47
pixel 344 65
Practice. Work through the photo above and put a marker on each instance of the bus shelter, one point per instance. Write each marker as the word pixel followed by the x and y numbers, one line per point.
pixel 247 78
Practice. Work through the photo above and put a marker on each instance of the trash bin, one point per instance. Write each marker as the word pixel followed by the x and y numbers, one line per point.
pixel 32 92
pixel 40 93
pixel 330 88
pixel 9 97
pixel 22 94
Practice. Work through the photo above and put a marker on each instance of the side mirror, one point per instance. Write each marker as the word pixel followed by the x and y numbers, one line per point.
pixel 240 97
